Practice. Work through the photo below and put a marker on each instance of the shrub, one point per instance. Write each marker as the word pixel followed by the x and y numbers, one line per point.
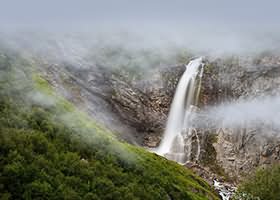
pixel 263 184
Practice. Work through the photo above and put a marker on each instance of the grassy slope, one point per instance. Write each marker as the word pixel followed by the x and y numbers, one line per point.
pixel 49 150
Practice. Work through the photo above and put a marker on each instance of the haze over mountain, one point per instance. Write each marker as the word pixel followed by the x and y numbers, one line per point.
pixel 139 99
pixel 217 26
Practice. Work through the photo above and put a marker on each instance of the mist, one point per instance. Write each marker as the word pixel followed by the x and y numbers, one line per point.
pixel 147 34
pixel 213 28
pixel 243 113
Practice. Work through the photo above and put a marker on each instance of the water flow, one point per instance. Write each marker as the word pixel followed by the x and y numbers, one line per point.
pixel 177 140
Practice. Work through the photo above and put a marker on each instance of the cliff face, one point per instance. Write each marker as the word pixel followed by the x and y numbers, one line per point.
pixel 239 150
pixel 144 104
pixel 136 106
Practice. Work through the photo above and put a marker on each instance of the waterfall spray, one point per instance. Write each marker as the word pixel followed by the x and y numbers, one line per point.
pixel 177 140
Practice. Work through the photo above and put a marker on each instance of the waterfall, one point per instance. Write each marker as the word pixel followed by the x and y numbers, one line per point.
pixel 177 140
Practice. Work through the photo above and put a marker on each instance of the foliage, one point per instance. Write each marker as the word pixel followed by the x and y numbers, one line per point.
pixel 263 184
pixel 244 196
pixel 49 150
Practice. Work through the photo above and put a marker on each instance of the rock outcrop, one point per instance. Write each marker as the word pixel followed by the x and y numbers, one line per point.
pixel 239 150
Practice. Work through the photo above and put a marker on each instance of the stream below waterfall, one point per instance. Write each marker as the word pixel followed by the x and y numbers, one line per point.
pixel 225 191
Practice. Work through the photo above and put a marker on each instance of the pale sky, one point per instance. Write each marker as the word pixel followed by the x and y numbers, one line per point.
pixel 241 14
pixel 208 25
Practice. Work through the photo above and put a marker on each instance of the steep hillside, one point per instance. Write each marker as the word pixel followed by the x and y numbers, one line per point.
pixel 142 102
pixel 50 150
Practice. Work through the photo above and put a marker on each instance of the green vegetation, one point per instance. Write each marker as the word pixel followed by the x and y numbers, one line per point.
pixel 264 184
pixel 209 68
pixel 49 150
pixel 208 158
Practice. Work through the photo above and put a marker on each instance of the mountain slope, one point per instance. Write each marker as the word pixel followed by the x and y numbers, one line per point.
pixel 50 150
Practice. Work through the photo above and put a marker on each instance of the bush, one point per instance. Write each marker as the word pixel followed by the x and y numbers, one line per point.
pixel 263 184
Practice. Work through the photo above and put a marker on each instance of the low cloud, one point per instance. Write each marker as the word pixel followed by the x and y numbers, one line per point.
pixel 250 113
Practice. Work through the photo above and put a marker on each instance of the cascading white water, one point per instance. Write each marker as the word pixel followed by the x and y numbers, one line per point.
pixel 177 140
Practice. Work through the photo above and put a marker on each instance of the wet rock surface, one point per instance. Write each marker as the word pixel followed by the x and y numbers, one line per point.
pixel 224 188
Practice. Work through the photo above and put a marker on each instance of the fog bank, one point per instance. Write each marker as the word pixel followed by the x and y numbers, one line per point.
pixel 246 113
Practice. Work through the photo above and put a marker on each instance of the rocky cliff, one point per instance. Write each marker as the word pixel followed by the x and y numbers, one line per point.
pixel 135 106
pixel 239 150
